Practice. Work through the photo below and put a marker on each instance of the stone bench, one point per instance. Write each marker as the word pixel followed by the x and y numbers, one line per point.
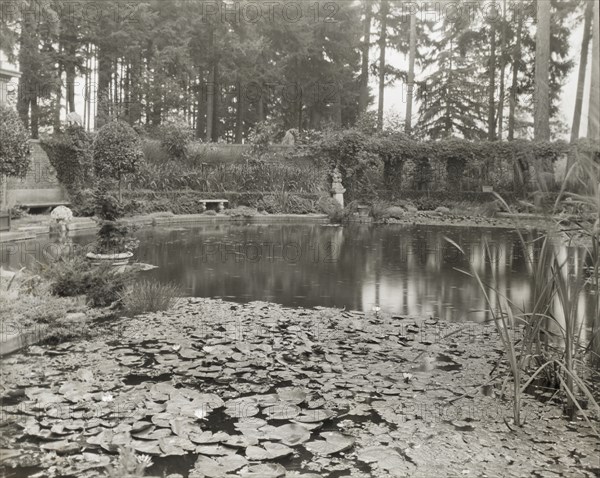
pixel 219 202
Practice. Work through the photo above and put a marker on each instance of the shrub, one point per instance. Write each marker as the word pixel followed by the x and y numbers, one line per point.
pixel 328 205
pixel 241 211
pixel 143 297
pixel 352 152
pixel 393 212
pixel 106 286
pixel 260 138
pixel 175 138
pixel 70 153
pixel 15 151
pixel 18 212
pixel 73 277
pixel 117 152
pixel 286 203
pixel 113 235
pixel 82 203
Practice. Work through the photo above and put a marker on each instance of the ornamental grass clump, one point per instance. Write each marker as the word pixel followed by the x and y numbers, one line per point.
pixel 146 296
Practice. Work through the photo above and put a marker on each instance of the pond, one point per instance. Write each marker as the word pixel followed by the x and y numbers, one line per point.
pixel 405 270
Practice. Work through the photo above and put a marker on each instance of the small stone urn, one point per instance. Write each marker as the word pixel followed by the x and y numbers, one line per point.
pixel 337 189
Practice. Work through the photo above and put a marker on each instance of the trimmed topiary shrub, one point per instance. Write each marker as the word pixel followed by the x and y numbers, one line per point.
pixel 117 152
pixel 15 150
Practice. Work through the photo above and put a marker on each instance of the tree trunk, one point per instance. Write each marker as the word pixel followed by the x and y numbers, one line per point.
pixel 103 101
pixel 515 78
pixel 583 58
pixel 201 108
pixel 59 88
pixel 210 88
pixel 492 85
pixel 382 46
pixel 338 106
pixel 216 99
pixel 70 72
pixel 594 112
pixel 300 109
pixel 363 100
pixel 239 115
pixel 260 108
pixel 35 116
pixel 541 117
pixel 411 72
pixel 500 111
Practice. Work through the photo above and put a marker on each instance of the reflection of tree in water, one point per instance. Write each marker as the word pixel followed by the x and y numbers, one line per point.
pixel 409 270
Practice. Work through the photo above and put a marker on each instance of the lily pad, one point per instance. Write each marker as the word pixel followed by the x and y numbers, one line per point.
pixel 268 451
pixel 217 467
pixel 334 443
pixel 265 470
pixel 291 434
pixel 282 411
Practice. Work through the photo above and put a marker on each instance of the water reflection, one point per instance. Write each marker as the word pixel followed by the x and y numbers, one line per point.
pixel 403 270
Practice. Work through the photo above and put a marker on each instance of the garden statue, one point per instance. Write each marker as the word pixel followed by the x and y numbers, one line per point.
pixel 74 118
pixel 337 189
pixel 289 139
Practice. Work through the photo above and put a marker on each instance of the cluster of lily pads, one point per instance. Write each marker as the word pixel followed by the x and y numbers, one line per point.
pixel 214 389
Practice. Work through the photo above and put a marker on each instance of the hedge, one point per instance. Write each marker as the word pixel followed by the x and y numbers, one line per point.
pixel 465 165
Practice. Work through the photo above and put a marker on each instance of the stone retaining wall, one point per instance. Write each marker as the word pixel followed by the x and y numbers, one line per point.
pixel 40 185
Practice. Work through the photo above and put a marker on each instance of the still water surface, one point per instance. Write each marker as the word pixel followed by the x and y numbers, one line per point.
pixel 407 270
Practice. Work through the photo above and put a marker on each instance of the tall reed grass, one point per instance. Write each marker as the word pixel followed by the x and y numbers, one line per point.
pixel 555 346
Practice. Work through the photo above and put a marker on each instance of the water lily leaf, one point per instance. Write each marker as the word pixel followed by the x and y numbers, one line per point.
pixel 175 445
pixel 62 447
pixel 85 375
pixel 93 460
pixel 268 451
pixel 316 415
pixel 103 439
pixel 189 353
pixel 295 395
pixel 206 437
pixel 385 457
pixel 155 435
pixel 265 470
pixel 295 474
pixel 149 447
pixel 240 441
pixel 334 442
pixel 163 420
pixel 183 427
pixel 291 434
pixel 217 467
pixel 282 411
pixel 146 432
pixel 141 426
pixel 215 450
